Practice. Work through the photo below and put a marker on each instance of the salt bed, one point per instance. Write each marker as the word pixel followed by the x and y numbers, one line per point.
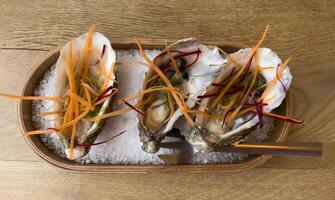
pixel 125 149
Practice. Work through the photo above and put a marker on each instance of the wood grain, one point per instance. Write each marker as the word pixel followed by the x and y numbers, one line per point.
pixel 303 30
pixel 35 180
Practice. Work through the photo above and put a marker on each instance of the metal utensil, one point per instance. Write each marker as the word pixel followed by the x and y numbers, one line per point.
pixel 269 148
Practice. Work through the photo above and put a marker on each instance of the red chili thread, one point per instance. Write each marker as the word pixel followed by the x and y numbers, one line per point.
pixel 98 143
pixel 132 107
pixel 104 93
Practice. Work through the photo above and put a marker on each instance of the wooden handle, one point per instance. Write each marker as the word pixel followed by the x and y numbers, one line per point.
pixel 278 148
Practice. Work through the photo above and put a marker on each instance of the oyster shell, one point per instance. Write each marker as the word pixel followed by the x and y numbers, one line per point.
pixel 86 131
pixel 199 66
pixel 210 132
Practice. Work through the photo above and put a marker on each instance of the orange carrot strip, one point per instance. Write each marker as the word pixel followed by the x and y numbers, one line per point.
pixel 171 105
pixel 149 90
pixel 88 47
pixel 152 78
pixel 51 112
pixel 38 132
pixel 265 68
pixel 111 70
pixel 73 133
pixel 194 100
pixel 81 100
pixel 95 93
pixel 244 100
pixel 167 82
pixel 47 98
pixel 87 95
pixel 114 91
pixel 174 64
pixel 275 79
pixel 240 72
pixel 118 112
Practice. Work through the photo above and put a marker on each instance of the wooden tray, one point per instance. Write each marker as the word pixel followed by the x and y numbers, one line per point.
pixel 33 78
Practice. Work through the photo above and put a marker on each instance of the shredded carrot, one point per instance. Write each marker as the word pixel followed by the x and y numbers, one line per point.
pixel 102 100
pixel 223 52
pixel 229 57
pixel 245 98
pixel 71 79
pixel 93 82
pixel 88 47
pixel 246 110
pixel 38 132
pixel 107 76
pixel 118 112
pixel 171 105
pixel 114 91
pixel 149 90
pixel 283 118
pixel 75 120
pixel 72 116
pixel 241 71
pixel 167 82
pixel 174 64
pixel 51 113
pixel 95 93
pixel 87 95
pixel 246 95
pixel 111 70
pixel 73 133
pixel 265 68
pixel 194 100
pixel 70 70
pixel 274 80
pixel 152 78
pixel 111 114
pixel 81 100
pixel 47 98
pixel 66 115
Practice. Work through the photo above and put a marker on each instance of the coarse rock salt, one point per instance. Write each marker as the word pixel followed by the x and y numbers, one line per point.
pixel 126 148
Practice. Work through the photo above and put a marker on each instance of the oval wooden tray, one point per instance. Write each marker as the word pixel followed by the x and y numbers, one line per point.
pixel 33 78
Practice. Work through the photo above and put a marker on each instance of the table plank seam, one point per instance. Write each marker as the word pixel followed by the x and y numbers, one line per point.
pixel 22 49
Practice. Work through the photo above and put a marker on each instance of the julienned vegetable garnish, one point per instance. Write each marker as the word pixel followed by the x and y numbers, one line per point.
pixel 171 69
pixel 223 97
pixel 251 85
pixel 85 76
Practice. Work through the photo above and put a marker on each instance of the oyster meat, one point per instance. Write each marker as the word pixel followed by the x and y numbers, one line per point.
pixel 191 70
pixel 223 130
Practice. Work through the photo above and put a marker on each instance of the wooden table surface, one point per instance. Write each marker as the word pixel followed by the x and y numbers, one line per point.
pixel 303 30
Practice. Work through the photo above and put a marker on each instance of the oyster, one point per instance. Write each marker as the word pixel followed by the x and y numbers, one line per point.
pixel 92 55
pixel 209 132
pixel 191 70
